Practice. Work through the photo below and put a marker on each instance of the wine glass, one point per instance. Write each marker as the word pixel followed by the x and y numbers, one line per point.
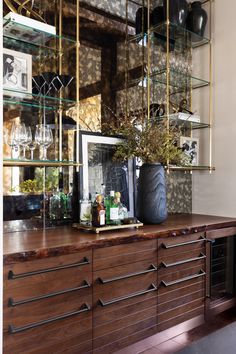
pixel 16 137
pixel 32 146
pixel 27 139
pixel 43 137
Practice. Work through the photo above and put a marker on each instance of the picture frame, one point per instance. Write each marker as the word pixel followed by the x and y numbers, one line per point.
pixel 190 147
pixel 17 73
pixel 98 167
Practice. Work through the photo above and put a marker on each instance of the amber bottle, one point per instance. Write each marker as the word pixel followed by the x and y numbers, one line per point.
pixel 98 212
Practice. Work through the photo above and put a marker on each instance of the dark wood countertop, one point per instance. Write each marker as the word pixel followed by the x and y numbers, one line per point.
pixel 35 244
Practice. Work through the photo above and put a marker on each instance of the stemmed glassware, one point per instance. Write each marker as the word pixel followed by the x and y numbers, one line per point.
pixel 44 138
pixel 16 137
pixel 26 139
pixel 32 146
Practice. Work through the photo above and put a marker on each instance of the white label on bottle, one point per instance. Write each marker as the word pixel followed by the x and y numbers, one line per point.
pixel 102 217
pixel 114 213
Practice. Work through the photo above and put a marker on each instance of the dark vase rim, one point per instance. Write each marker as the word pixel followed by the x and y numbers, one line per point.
pixel 196 4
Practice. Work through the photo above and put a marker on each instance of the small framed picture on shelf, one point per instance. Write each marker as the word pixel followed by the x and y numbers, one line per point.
pixel 190 146
pixel 17 73
pixel 98 167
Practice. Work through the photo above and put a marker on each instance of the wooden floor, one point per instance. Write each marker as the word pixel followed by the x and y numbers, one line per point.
pixel 172 344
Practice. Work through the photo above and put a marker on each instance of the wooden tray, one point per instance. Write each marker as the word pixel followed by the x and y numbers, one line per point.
pixel 107 227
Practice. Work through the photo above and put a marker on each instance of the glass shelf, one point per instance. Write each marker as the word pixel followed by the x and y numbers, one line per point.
pixel 38 163
pixel 26 35
pixel 189 168
pixel 38 101
pixel 37 53
pixel 178 81
pixel 185 124
pixel 179 37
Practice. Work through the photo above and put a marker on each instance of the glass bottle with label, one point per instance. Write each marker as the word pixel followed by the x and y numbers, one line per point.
pixel 85 209
pixel 98 212
pixel 113 210
pixel 122 210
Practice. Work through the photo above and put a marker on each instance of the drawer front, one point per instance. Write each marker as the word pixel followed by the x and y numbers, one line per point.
pixel 172 246
pixel 181 279
pixel 124 254
pixel 34 278
pixel 47 309
pixel 174 313
pixel 54 337
pixel 125 301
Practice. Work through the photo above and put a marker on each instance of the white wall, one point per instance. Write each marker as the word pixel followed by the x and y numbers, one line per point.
pixel 216 193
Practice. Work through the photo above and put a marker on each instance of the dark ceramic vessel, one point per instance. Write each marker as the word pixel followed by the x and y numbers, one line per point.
pixel 197 20
pixel 157 16
pixel 178 11
pixel 151 199
pixel 141 20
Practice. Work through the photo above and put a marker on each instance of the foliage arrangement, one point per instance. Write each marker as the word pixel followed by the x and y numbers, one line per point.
pixel 37 184
pixel 150 140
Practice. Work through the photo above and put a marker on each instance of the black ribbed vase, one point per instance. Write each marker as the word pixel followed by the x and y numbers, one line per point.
pixel 197 20
pixel 151 199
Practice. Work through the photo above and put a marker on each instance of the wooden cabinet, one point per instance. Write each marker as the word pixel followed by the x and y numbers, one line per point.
pixel 181 279
pixel 125 295
pixel 101 300
pixel 47 305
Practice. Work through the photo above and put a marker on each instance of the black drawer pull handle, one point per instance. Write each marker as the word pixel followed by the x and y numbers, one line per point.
pixel 13 303
pixel 183 243
pixel 152 268
pixel 13 330
pixel 200 274
pixel 113 301
pixel 11 274
pixel 168 265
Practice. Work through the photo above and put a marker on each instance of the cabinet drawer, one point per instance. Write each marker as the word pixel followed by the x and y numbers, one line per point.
pixel 176 267
pixel 28 313
pixel 165 294
pixel 181 277
pixel 35 278
pixel 124 254
pixel 55 337
pixel 109 295
pixel 174 245
pixel 179 310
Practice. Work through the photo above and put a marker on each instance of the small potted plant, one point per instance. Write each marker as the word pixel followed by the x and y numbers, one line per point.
pixel 156 146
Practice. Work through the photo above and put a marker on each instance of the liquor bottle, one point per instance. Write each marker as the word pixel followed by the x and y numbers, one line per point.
pixel 122 210
pixel 113 210
pixel 69 202
pixel 85 209
pixel 98 212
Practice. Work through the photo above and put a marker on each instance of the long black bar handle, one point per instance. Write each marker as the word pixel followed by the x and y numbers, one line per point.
pixel 168 265
pixel 152 268
pixel 183 243
pixel 13 303
pixel 167 284
pixel 122 298
pixel 12 330
pixel 11 274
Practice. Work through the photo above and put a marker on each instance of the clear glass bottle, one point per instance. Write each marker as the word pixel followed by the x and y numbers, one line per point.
pixel 122 210
pixel 85 209
pixel 113 210
pixel 55 206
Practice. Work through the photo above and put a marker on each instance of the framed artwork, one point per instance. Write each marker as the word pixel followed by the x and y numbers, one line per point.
pixel 99 167
pixel 190 147
pixel 17 72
